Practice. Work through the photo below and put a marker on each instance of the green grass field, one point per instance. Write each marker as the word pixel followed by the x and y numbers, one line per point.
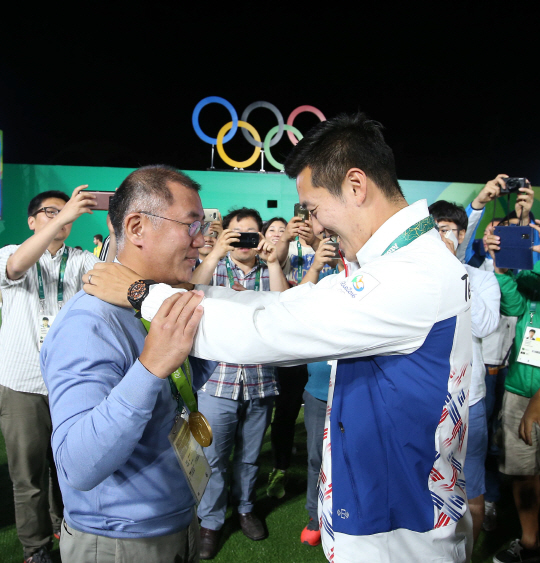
pixel 284 519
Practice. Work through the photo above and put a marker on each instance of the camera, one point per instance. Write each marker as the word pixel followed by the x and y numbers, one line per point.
pixel 512 185
pixel 301 212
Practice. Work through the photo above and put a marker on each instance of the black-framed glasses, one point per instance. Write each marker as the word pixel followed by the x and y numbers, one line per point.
pixel 193 228
pixel 50 212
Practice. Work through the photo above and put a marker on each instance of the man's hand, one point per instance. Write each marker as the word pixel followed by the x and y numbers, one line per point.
pixel 491 191
pixel 324 255
pixel 531 416
pixel 80 202
pixel 266 250
pixel 223 243
pixel 216 227
pixel 524 203
pixel 171 333
pixel 492 245
pixel 110 282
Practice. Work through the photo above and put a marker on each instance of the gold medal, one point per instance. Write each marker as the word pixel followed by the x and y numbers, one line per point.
pixel 200 428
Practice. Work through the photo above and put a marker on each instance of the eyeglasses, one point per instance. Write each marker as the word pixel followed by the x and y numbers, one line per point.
pixel 50 212
pixel 193 228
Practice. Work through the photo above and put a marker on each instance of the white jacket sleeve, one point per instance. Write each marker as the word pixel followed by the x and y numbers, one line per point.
pixel 485 302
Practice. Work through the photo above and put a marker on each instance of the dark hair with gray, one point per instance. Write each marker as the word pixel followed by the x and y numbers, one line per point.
pixel 145 189
pixel 36 201
pixel 240 214
pixel 333 147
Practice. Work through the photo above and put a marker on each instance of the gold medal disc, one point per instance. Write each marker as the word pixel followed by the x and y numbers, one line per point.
pixel 200 428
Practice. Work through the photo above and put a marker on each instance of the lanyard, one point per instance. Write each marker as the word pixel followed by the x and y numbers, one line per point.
pixel 300 260
pixel 232 278
pixel 41 290
pixel 412 233
pixel 532 311
pixel 180 382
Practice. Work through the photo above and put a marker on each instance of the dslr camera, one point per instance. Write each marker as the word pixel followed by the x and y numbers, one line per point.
pixel 512 185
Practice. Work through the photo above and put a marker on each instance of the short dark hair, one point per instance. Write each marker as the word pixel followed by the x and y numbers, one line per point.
pixel 36 201
pixel 445 211
pixel 266 226
pixel 148 187
pixel 240 214
pixel 335 146
pixel 99 237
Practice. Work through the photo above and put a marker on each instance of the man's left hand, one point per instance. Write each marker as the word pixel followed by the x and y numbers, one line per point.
pixel 110 282
pixel 531 416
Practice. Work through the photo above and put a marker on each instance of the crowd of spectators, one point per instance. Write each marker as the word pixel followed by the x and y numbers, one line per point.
pixel 241 401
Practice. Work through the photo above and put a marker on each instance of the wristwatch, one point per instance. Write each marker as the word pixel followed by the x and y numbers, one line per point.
pixel 137 292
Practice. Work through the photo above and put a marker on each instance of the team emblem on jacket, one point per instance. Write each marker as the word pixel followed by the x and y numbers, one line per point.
pixel 358 283
pixel 342 513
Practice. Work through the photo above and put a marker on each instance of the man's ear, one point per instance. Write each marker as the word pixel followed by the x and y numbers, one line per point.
pixel 461 235
pixel 32 223
pixel 354 186
pixel 134 228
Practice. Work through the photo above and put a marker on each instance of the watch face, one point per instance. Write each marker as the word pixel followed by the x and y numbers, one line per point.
pixel 137 290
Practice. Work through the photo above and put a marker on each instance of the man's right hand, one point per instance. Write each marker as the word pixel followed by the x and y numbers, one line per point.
pixel 110 281
pixel 171 333
pixel 223 243
pixel 491 191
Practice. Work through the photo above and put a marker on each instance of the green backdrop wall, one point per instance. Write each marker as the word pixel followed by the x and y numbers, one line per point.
pixel 224 190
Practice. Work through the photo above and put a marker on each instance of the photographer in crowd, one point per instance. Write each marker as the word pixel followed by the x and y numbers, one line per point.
pixel 520 296
pixel 238 399
pixel 36 278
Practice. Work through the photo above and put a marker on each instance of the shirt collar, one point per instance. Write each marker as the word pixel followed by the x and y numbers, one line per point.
pixel 59 253
pixel 235 266
pixel 390 230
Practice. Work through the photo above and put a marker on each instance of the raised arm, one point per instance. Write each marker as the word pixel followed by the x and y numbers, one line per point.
pixel 33 248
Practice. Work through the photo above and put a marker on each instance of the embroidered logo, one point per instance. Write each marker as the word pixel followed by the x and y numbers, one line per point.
pixel 358 283
pixel 342 513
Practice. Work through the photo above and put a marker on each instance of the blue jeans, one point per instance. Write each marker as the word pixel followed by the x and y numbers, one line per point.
pixel 314 417
pixel 240 424
pixel 494 398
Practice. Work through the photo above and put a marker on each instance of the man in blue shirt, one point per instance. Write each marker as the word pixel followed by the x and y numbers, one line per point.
pixel 111 404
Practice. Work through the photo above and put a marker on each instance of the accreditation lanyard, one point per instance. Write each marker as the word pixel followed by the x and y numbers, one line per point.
pixel 232 278
pixel 300 260
pixel 412 233
pixel 180 382
pixel 41 289
pixel 532 311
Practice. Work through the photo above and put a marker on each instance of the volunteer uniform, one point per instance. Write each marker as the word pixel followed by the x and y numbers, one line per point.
pixel 392 485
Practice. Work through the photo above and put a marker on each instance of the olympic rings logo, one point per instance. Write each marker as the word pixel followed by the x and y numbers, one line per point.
pixel 227 132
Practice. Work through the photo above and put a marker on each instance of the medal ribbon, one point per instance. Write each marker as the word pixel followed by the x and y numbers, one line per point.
pixel 41 290
pixel 300 260
pixel 412 233
pixel 232 278
pixel 180 382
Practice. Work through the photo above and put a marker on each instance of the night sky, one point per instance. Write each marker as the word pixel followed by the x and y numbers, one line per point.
pixel 455 87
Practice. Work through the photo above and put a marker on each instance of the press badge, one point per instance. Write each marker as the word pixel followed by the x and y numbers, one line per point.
pixel 529 353
pixel 191 457
pixel 44 324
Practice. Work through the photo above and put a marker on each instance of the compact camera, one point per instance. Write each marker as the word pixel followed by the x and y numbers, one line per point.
pixel 512 185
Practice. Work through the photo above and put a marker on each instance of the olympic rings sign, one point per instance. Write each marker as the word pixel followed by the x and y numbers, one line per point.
pixel 227 132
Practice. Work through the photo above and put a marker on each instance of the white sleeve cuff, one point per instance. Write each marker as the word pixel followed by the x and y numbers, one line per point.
pixel 157 294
